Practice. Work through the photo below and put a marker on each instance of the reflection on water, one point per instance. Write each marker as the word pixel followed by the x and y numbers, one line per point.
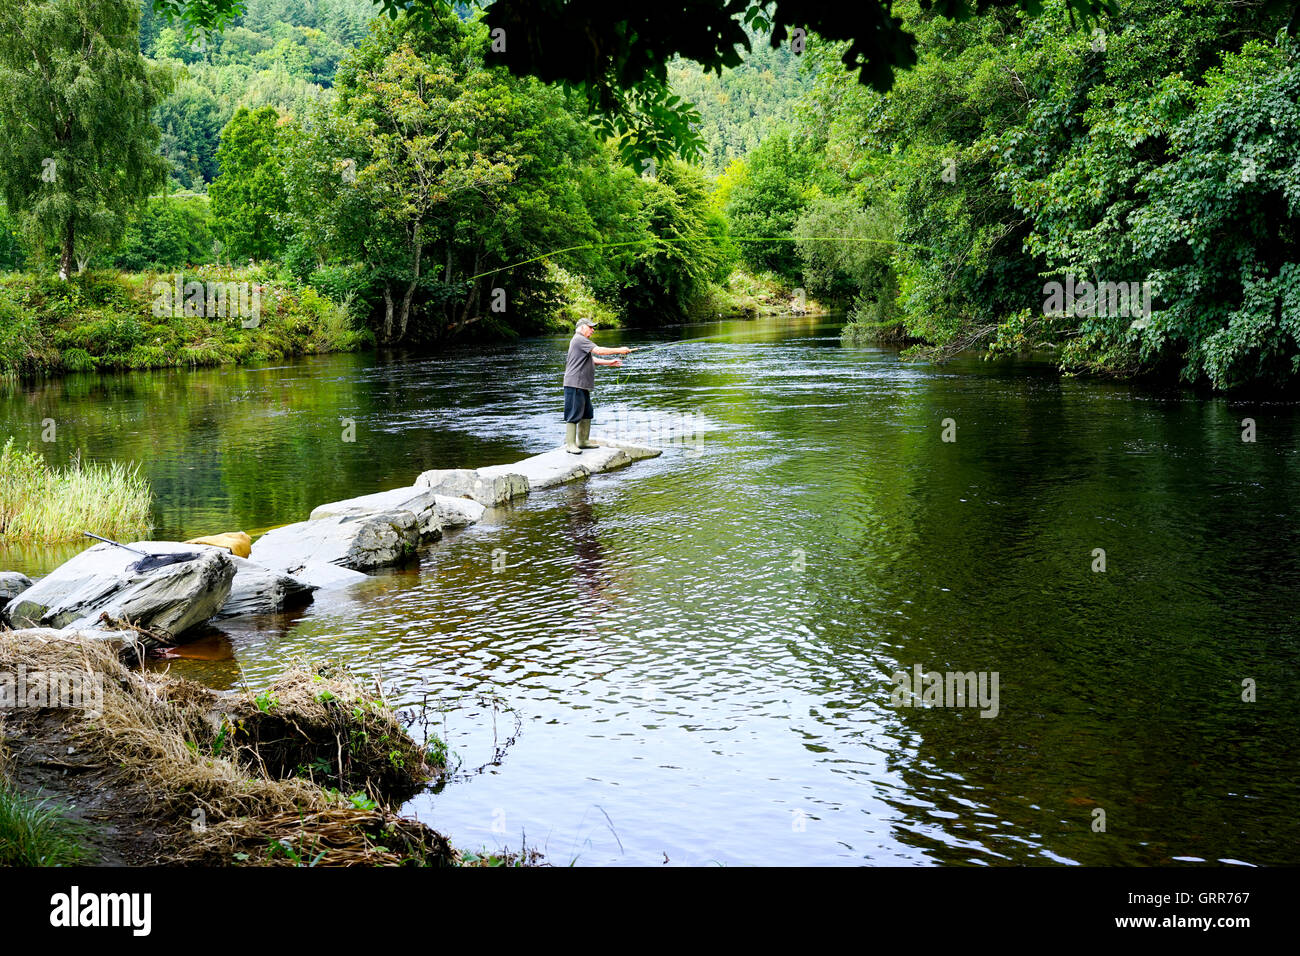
pixel 700 647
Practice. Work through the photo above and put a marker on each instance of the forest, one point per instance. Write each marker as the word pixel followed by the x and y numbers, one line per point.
pixel 392 167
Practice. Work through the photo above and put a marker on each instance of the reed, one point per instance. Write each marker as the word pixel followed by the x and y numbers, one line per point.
pixel 42 504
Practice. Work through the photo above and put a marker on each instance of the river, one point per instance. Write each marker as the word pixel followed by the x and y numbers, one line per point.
pixel 690 661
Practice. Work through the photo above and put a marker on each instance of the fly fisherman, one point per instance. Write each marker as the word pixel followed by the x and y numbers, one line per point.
pixel 579 380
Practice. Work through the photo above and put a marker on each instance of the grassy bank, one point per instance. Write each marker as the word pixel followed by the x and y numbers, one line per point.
pixel 109 320
pixel 750 294
pixel 42 504
pixel 307 772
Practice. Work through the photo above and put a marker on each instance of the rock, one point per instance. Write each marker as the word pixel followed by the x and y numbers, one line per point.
pixel 558 467
pixel 167 601
pixel 357 541
pixel 236 542
pixel 50 634
pixel 458 512
pixel 633 451
pixel 491 488
pixel 328 577
pixel 12 584
pixel 421 502
pixel 259 590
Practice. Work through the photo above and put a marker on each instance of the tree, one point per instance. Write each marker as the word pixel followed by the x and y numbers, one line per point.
pixel 1169 157
pixel 685 248
pixel 78 150
pixel 617 57
pixel 190 121
pixel 248 196
pixel 765 198
pixel 173 231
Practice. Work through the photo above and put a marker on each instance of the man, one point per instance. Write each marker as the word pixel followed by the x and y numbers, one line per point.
pixel 579 380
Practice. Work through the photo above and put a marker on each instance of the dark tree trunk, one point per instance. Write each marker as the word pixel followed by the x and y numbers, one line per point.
pixel 405 314
pixel 388 313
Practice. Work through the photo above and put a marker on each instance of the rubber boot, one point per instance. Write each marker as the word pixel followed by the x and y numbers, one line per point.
pixel 571 439
pixel 584 434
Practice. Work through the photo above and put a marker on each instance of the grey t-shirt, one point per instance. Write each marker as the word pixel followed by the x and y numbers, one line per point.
pixel 580 367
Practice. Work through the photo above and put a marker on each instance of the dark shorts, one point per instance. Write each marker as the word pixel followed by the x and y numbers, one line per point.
pixel 577 404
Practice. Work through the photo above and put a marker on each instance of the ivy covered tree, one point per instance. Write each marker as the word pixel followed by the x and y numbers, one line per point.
pixel 78 150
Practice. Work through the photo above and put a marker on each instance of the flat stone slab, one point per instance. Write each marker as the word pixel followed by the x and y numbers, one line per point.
pixel 633 451
pixel 328 577
pixel 559 467
pixel 489 487
pixel 351 540
pixel 421 502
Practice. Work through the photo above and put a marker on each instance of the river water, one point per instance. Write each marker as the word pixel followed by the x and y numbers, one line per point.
pixel 690 661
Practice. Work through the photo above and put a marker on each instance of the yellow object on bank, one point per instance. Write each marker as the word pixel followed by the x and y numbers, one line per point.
pixel 236 542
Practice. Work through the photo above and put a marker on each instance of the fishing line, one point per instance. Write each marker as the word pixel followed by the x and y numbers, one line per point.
pixel 714 239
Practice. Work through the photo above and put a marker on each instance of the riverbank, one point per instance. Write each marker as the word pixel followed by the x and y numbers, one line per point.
pixel 212 316
pixel 137 768
pixel 205 317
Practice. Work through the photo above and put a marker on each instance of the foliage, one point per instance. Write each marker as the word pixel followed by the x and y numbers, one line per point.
pixel 454 184
pixel 1160 148
pixel 111 321
pixel 78 150
pixel 738 106
pixel 617 60
pixel 686 250
pixel 766 193
pixel 173 231
pixel 36 832
pixel 248 198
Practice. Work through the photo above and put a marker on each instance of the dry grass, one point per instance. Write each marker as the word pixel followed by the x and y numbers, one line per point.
pixel 231 779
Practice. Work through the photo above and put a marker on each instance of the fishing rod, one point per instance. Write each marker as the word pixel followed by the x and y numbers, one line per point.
pixel 148 562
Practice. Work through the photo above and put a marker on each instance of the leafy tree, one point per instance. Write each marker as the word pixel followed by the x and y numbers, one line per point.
pixel 766 195
pixel 618 58
pixel 78 151
pixel 738 106
pixel 13 253
pixel 845 249
pixel 172 232
pixel 1167 155
pixel 248 197
pixel 190 121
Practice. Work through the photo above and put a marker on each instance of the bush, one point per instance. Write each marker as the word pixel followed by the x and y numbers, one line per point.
pixel 172 232
pixel 338 282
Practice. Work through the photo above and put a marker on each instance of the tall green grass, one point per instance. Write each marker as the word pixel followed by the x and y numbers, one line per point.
pixel 42 504
pixel 35 832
